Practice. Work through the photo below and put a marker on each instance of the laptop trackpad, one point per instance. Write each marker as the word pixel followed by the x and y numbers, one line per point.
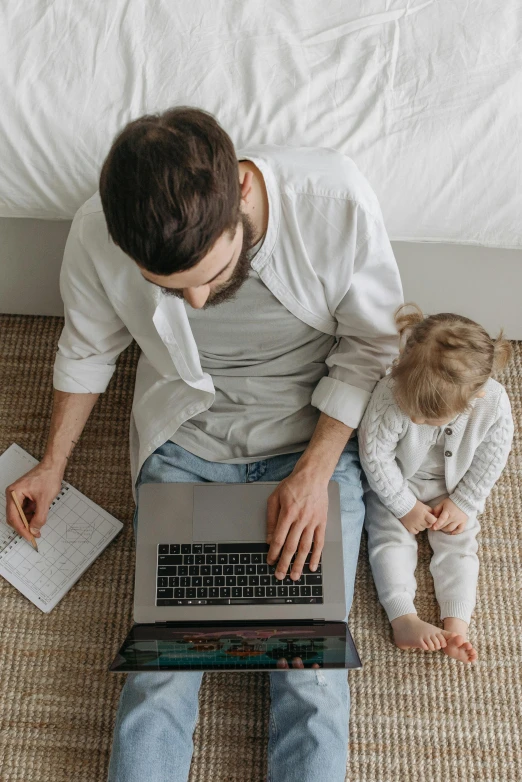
pixel 227 513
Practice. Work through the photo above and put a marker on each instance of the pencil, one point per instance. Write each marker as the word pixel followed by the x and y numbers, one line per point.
pixel 22 516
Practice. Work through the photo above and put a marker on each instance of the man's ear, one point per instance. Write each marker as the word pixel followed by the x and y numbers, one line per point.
pixel 246 179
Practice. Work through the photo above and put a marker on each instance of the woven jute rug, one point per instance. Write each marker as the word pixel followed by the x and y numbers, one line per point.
pixel 415 717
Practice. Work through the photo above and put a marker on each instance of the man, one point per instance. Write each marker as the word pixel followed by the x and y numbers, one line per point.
pixel 261 289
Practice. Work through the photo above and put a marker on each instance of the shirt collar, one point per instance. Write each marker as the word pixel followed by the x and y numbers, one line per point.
pixel 274 206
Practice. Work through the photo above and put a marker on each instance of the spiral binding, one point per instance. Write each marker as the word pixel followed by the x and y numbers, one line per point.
pixel 63 492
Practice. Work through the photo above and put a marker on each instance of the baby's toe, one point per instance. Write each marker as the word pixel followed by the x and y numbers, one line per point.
pixel 442 640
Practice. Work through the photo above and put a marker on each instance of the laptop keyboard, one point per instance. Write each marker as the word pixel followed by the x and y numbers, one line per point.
pixel 228 574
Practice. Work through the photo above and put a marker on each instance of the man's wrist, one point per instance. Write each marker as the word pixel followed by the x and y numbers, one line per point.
pixel 320 458
pixel 312 469
pixel 54 462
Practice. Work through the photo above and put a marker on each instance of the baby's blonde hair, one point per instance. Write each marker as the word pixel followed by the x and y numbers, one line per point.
pixel 444 361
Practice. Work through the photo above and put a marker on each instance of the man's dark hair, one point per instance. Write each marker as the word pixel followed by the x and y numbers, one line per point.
pixel 170 188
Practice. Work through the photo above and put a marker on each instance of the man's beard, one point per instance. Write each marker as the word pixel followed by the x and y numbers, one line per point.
pixel 241 271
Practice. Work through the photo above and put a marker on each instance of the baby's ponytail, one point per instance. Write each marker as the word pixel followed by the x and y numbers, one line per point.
pixel 406 317
pixel 502 352
pixel 444 361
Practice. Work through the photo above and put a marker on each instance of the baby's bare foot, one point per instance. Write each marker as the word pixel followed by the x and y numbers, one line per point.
pixel 410 632
pixel 460 649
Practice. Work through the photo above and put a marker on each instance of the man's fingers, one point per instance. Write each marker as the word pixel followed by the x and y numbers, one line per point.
pixel 294 541
pixel 40 514
pixel 29 508
pixel 318 547
pixel 305 544
pixel 36 523
pixel 285 558
pixel 278 540
pixel 437 509
pixel 276 544
pixel 13 517
pixel 35 511
pixel 36 514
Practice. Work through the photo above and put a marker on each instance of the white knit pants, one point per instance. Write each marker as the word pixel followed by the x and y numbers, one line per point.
pixel 393 559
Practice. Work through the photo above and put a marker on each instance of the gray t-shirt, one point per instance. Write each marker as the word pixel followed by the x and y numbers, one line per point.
pixel 265 364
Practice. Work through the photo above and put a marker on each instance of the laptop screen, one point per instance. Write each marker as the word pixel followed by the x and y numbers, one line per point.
pixel 241 647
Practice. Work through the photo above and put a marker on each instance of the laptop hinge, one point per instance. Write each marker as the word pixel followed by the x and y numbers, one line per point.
pixel 249 622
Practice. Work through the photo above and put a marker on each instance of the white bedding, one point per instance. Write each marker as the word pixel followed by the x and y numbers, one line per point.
pixel 426 97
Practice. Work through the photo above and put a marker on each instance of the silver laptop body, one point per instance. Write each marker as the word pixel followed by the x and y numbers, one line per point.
pixel 213 513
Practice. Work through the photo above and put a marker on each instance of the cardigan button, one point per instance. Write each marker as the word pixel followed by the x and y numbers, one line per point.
pixel 448 430
pixel 448 453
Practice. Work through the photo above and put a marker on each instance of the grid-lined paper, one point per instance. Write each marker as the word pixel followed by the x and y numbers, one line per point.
pixel 76 532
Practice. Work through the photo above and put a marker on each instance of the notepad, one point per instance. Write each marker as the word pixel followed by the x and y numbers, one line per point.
pixel 75 533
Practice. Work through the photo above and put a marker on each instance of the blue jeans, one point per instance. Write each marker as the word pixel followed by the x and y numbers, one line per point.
pixel 308 734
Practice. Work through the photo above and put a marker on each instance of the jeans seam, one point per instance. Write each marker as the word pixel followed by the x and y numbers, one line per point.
pixel 123 697
pixel 194 724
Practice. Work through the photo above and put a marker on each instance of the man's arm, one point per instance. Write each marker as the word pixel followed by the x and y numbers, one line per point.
pixel 363 289
pixel 93 337
pixel 38 488
pixel 298 508
pixel 367 336
pixel 324 449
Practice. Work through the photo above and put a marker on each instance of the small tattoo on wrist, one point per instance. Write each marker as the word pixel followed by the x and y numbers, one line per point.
pixel 72 449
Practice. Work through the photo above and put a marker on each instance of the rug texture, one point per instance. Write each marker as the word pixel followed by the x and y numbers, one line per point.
pixel 416 717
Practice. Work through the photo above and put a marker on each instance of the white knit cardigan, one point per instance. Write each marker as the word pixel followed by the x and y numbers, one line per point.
pixel 476 446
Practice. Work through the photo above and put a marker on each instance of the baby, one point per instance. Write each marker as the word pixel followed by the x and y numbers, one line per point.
pixel 433 441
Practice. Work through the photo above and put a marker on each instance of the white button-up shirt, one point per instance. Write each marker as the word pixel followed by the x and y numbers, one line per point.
pixel 326 257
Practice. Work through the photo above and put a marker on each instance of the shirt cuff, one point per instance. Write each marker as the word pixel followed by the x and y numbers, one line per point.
pixel 467 507
pixel 341 401
pixel 79 376
pixel 401 506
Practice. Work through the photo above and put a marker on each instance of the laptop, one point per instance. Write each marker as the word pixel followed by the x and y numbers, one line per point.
pixel 206 599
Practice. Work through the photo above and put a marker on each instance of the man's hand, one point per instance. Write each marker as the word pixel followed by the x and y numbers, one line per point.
pixel 35 491
pixel 450 518
pixel 297 662
pixel 298 508
pixel 419 518
pixel 296 518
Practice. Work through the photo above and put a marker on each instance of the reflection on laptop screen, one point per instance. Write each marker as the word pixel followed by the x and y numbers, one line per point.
pixel 237 648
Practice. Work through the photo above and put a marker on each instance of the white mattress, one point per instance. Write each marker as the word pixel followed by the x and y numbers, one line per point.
pixel 426 97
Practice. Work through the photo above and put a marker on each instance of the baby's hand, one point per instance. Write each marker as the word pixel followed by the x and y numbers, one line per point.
pixel 418 518
pixel 450 518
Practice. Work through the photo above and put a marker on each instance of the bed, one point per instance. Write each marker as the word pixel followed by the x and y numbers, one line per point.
pixel 425 96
